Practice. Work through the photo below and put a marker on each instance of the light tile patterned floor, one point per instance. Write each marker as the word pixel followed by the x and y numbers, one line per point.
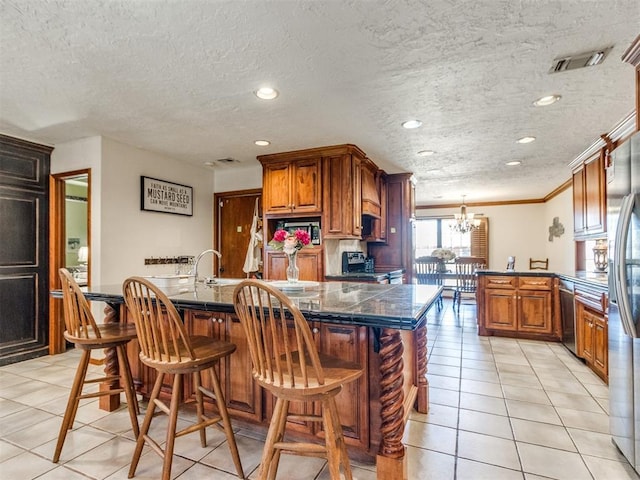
pixel 500 409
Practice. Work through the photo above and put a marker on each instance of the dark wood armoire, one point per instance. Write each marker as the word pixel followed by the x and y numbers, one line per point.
pixel 24 249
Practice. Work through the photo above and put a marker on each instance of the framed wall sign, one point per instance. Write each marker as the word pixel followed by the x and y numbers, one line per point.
pixel 167 197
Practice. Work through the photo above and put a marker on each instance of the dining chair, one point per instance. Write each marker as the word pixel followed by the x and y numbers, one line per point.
pixel 166 347
pixel 286 362
pixel 466 278
pixel 538 264
pixel 82 330
pixel 428 273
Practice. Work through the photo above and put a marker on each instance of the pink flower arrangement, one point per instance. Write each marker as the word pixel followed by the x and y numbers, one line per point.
pixel 290 242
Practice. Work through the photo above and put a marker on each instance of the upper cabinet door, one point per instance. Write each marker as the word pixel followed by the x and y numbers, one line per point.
pixel 292 187
pixel 589 198
pixel 307 194
pixel 277 185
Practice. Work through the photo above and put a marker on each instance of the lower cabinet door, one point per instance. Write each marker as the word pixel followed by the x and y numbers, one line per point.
pixel 600 347
pixel 534 315
pixel 500 309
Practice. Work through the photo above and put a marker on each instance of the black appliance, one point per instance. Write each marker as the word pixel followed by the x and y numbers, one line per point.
pixel 356 262
pixel 567 315
pixel 312 227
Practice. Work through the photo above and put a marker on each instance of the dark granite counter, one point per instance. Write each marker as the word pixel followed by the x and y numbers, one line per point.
pixel 377 276
pixel 590 279
pixel 402 307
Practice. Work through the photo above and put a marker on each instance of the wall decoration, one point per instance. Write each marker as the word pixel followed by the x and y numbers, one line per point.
pixel 167 197
pixel 556 229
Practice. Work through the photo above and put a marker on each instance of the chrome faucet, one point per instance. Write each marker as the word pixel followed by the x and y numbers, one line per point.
pixel 202 254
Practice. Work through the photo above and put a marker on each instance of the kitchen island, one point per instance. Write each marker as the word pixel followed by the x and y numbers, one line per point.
pixel 381 327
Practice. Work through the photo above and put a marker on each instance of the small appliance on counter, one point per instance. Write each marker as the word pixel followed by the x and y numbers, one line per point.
pixel 356 262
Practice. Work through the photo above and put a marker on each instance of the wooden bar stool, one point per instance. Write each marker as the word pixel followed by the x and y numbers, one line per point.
pixel 286 363
pixel 166 347
pixel 82 330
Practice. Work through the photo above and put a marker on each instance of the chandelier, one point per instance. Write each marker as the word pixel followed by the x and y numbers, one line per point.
pixel 463 221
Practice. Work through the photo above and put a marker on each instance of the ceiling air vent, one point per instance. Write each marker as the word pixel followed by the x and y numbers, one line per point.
pixel 225 161
pixel 587 59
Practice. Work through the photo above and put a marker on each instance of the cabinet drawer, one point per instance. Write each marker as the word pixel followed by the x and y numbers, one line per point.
pixel 501 281
pixel 595 300
pixel 535 283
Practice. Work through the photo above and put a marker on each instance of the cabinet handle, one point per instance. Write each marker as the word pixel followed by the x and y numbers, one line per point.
pixel 315 330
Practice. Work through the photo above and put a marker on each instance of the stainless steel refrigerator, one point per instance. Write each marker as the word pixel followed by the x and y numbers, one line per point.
pixel 623 217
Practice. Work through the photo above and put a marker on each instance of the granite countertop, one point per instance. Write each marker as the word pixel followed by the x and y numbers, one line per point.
pixel 402 307
pixel 596 279
pixel 376 275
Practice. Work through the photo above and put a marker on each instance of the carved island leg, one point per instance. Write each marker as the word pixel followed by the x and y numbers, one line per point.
pixel 110 402
pixel 422 404
pixel 391 459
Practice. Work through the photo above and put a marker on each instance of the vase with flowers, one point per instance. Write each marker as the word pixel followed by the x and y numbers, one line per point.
pixel 290 243
pixel 443 255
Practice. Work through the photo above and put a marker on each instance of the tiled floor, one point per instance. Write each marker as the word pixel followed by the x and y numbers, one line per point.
pixel 499 409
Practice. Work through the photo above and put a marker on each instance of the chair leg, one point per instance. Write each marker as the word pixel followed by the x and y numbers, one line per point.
pixel 273 435
pixel 282 425
pixel 171 427
pixel 197 381
pixel 145 425
pixel 72 403
pixel 226 422
pixel 344 457
pixel 127 382
pixel 331 440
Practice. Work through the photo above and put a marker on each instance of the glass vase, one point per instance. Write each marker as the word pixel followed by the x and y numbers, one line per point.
pixel 293 272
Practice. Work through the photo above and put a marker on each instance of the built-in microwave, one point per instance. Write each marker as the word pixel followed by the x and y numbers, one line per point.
pixel 312 228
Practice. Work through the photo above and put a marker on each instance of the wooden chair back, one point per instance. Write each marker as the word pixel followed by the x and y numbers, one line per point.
pixel 282 348
pixel 161 333
pixel 78 319
pixel 466 279
pixel 427 270
pixel 538 264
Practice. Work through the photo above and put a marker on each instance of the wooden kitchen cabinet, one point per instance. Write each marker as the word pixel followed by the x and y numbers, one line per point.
pixel 591 330
pixel 589 198
pixel 375 229
pixel 519 306
pixel 292 186
pixel 242 395
pixel 396 252
pixel 342 190
pixel 310 261
pixel 370 189
pixel 351 343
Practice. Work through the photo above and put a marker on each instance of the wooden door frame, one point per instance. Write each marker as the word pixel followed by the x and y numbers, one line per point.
pixel 219 197
pixel 57 250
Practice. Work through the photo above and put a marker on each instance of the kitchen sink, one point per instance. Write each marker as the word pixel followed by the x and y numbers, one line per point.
pixel 225 281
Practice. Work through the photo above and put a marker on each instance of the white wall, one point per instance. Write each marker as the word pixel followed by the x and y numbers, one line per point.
pixel 522 230
pixel 561 250
pixel 121 234
pixel 231 179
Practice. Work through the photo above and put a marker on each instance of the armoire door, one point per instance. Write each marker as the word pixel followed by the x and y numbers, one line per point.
pixel 24 249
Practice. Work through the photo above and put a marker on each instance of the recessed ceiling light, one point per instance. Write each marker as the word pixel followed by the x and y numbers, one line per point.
pixel 513 163
pixel 547 100
pixel 208 163
pixel 412 124
pixel 262 143
pixel 266 93
pixel 526 139
pixel 425 153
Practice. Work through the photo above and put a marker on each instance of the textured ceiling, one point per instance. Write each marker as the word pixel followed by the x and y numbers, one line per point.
pixel 176 77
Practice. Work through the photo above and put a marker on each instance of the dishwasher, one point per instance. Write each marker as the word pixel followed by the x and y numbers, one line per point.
pixel 567 314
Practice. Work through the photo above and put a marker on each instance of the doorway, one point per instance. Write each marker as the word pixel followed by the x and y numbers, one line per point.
pixel 234 214
pixel 70 240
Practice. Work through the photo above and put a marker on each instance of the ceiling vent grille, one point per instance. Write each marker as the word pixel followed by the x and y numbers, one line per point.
pixel 587 59
pixel 225 161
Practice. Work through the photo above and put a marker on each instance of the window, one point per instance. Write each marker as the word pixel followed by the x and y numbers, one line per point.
pixel 432 233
